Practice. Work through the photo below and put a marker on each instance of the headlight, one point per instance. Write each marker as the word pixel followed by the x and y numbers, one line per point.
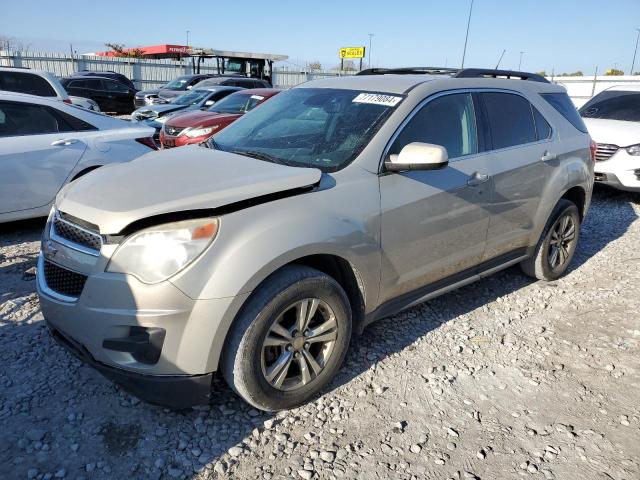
pixel 155 254
pixel 193 132
pixel 633 150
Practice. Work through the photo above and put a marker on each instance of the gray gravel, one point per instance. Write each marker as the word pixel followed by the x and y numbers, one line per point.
pixel 506 378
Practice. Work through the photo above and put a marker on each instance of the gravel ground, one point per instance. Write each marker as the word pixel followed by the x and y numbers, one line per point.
pixel 505 378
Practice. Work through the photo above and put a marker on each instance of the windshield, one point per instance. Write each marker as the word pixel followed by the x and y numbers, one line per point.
pixel 237 103
pixel 179 83
pixel 192 97
pixel 613 105
pixel 309 127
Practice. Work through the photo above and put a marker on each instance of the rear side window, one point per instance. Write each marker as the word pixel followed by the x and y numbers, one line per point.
pixel 510 119
pixel 448 121
pixel 69 123
pixel 17 119
pixel 543 129
pixel 23 82
pixel 94 84
pixel 563 104
pixel 613 105
pixel 114 86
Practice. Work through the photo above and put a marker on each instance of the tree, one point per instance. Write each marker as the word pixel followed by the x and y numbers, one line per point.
pixel 613 72
pixel 12 44
pixel 543 73
pixel 315 65
pixel 120 51
pixel 349 66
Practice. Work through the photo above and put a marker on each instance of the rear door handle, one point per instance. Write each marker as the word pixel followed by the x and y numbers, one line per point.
pixel 477 179
pixel 64 142
pixel 548 156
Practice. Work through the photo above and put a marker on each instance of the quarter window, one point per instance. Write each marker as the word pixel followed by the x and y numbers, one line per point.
pixel 543 129
pixel 447 121
pixel 510 119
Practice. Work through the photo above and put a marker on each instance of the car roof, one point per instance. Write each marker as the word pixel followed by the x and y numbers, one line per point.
pixel 84 77
pixel 217 88
pixel 628 87
pixel 263 92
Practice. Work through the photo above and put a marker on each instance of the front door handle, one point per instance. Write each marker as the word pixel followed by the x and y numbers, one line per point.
pixel 64 142
pixel 547 156
pixel 477 179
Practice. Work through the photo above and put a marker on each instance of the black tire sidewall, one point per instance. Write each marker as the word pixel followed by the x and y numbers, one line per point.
pixel 543 253
pixel 267 303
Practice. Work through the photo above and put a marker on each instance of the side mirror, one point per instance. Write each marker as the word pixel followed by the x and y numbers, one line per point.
pixel 418 156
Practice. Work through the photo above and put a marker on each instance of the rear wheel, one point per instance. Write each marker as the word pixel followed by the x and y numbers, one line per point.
pixel 558 243
pixel 289 340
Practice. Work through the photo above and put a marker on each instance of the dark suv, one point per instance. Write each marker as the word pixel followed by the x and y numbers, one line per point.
pixel 109 94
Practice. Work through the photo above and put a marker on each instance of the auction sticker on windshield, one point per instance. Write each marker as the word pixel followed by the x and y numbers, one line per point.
pixel 378 99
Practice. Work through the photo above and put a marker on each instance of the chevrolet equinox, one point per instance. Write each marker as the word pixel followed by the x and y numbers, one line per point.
pixel 336 203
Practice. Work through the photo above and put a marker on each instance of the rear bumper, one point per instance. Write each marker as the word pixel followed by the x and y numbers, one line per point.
pixel 173 391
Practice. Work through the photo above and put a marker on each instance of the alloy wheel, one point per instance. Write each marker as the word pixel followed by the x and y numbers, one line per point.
pixel 299 344
pixel 563 235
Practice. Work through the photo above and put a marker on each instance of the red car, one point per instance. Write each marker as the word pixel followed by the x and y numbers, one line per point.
pixel 198 126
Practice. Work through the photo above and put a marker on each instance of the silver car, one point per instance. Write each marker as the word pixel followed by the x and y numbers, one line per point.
pixel 339 202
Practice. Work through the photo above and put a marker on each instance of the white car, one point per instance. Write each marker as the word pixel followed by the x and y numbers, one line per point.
pixel 613 120
pixel 42 84
pixel 45 144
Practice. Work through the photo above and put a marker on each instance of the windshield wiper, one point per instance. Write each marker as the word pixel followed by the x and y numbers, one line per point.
pixel 259 156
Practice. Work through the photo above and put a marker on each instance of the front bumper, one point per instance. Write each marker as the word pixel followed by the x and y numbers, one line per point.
pixel 173 391
pixel 620 171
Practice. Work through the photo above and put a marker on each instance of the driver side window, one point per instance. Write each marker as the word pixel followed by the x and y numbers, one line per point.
pixel 448 121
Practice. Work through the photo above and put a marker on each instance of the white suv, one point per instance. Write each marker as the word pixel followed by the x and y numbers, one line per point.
pixel 613 120
pixel 42 84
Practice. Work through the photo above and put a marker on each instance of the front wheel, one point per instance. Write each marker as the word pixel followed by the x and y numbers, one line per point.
pixel 557 245
pixel 289 340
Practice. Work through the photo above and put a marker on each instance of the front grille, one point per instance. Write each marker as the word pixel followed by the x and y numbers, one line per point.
pixel 63 281
pixel 76 234
pixel 174 131
pixel 636 172
pixel 605 151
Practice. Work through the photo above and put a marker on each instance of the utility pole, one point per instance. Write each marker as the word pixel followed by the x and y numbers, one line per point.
pixel 520 62
pixel 466 38
pixel 187 38
pixel 633 64
pixel 370 36
pixel 500 59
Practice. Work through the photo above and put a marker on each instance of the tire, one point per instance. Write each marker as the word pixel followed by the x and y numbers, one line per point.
pixel 251 368
pixel 544 265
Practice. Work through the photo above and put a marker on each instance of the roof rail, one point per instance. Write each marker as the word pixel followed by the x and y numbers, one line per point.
pixel 409 71
pixel 490 73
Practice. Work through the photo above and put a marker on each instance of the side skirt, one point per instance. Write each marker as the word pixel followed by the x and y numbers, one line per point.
pixel 447 284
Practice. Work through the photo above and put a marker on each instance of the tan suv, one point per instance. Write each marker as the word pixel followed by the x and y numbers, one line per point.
pixel 336 203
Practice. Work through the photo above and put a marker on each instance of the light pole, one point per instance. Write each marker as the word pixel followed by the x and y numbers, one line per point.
pixel 464 52
pixel 370 36
pixel 520 62
pixel 633 64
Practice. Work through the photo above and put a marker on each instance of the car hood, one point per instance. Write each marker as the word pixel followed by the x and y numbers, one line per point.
pixel 175 180
pixel 615 132
pixel 170 93
pixel 200 118
pixel 143 93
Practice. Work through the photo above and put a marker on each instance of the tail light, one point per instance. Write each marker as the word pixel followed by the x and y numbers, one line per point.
pixel 147 141
pixel 67 100
pixel 593 146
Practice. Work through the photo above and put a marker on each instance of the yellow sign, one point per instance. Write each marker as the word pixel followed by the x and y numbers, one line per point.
pixel 352 52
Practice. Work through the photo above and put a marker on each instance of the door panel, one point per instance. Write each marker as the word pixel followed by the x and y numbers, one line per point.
pixel 434 222
pixel 32 170
pixel 433 225
pixel 518 139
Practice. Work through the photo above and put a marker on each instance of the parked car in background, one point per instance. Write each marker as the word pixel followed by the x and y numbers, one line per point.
pixel 234 81
pixel 613 120
pixel 171 90
pixel 194 99
pixel 196 127
pixel 119 77
pixel 41 83
pixel 110 95
pixel 45 144
pixel 336 203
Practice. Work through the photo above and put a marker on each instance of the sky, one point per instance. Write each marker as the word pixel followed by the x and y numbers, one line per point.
pixel 559 35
